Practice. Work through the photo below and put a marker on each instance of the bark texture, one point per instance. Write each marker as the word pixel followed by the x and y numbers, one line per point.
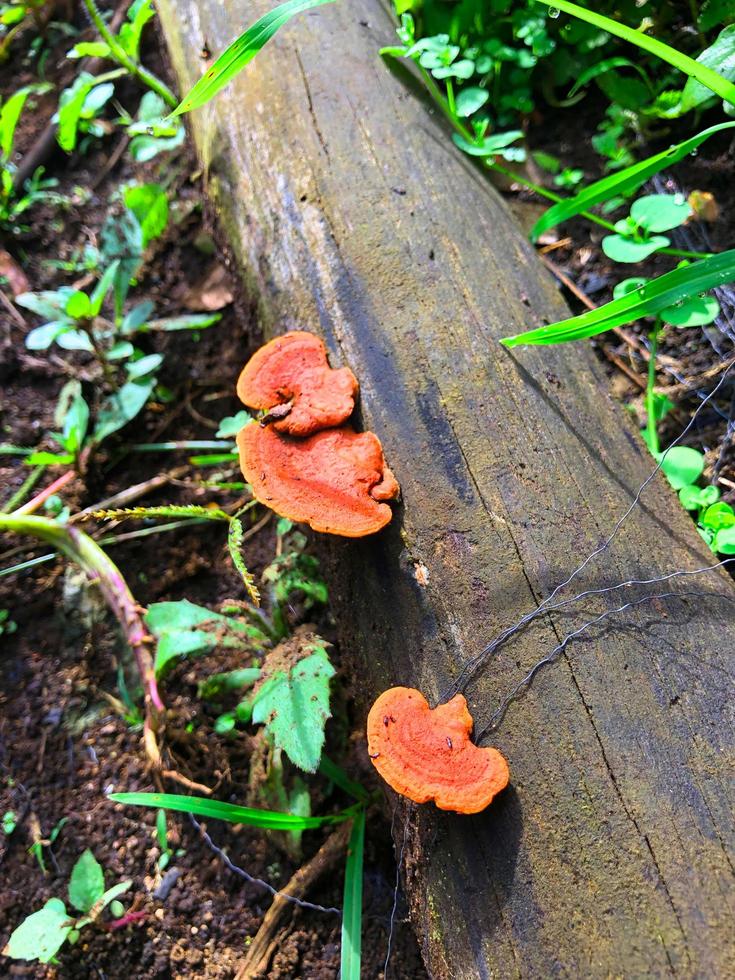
pixel 352 215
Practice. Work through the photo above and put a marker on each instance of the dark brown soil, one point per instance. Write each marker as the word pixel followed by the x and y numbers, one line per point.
pixel 63 745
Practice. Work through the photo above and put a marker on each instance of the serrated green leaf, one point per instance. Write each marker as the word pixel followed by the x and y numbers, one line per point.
pixel 241 52
pixel 41 935
pixel 87 882
pixel 294 708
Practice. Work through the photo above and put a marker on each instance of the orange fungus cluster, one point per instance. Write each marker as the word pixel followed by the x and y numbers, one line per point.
pixel 303 461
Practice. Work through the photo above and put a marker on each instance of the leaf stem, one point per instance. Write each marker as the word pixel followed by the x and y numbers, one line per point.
pixel 144 76
pixel 651 423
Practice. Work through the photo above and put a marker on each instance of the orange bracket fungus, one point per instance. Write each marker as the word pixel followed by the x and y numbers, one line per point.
pixel 426 754
pixel 302 461
pixel 291 379
pixel 334 481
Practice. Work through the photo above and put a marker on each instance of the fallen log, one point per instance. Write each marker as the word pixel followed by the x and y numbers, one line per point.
pixel 351 215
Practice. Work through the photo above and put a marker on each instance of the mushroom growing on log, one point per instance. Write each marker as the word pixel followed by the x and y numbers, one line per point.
pixel 336 481
pixel 293 371
pixel 426 754
pixel 351 213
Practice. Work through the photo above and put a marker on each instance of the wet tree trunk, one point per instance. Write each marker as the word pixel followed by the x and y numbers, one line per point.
pixel 352 215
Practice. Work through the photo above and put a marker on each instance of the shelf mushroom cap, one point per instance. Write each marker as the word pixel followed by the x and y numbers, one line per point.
pixel 293 370
pixel 335 481
pixel 426 754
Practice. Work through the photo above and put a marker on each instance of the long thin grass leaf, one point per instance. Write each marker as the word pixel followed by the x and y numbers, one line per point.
pixel 217 810
pixel 695 69
pixel 241 52
pixel 621 182
pixel 647 300
pixel 352 906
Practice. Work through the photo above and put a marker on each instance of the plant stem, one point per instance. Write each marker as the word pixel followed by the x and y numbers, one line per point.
pixel 651 424
pixel 44 495
pixel 450 99
pixel 28 484
pixel 121 56
pixel 99 568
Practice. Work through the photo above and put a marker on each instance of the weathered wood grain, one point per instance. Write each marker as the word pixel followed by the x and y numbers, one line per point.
pixel 352 215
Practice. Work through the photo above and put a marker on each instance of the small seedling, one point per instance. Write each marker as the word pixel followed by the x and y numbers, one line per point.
pixel 638 235
pixel 7 625
pixel 167 852
pixel 42 934
pixel 38 845
pixel 9 822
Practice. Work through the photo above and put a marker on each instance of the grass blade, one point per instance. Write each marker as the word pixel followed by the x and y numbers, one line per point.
pixel 216 810
pixel 711 79
pixel 352 910
pixel 648 300
pixel 621 182
pixel 241 52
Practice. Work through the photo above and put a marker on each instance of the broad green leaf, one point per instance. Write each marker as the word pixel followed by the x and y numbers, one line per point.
pixel 77 306
pixel 188 321
pixel 231 425
pixel 719 57
pixel 144 365
pixel 660 212
pixel 622 249
pixel 718 516
pixel 681 466
pixel 149 204
pixel 294 708
pixel 41 338
pixel 621 182
pixel 218 685
pixel 601 68
pixel 137 318
pixel 649 300
pixel 87 882
pixel 49 303
pixel 183 629
pixel 724 541
pixel 102 288
pixel 41 935
pixel 74 340
pixel 490 145
pixel 627 286
pixel 76 421
pixel 10 114
pixel 695 311
pixel 698 70
pixel 138 16
pixel 71 105
pixel 471 99
pixel 241 52
pixel 352 904
pixel 122 406
pixel 693 497
pixel 216 810
pixel 89 49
